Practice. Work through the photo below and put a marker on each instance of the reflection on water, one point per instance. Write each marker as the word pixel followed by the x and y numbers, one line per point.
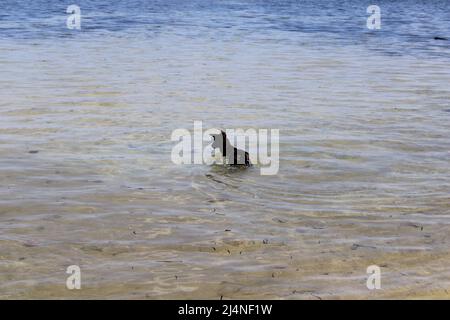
pixel 85 170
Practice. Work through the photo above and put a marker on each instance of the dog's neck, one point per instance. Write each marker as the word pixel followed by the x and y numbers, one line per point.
pixel 226 145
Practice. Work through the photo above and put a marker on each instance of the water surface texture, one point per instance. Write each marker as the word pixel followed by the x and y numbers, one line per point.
pixel 86 176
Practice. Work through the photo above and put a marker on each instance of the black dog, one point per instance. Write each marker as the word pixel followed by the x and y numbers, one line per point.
pixel 233 156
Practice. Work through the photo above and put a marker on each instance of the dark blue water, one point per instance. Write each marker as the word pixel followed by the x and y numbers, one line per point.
pixel 407 27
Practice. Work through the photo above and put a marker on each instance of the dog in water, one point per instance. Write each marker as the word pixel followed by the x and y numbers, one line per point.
pixel 233 156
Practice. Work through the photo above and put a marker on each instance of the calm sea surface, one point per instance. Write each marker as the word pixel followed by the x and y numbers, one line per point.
pixel 86 176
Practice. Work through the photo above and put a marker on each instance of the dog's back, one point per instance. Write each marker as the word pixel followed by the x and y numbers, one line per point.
pixel 238 157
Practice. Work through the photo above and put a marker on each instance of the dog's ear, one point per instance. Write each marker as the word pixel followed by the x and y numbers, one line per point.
pixel 215 135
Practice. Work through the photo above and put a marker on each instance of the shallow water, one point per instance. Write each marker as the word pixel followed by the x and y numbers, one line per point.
pixel 86 176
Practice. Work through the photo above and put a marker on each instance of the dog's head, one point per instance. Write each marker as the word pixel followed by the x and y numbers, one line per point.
pixel 219 140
